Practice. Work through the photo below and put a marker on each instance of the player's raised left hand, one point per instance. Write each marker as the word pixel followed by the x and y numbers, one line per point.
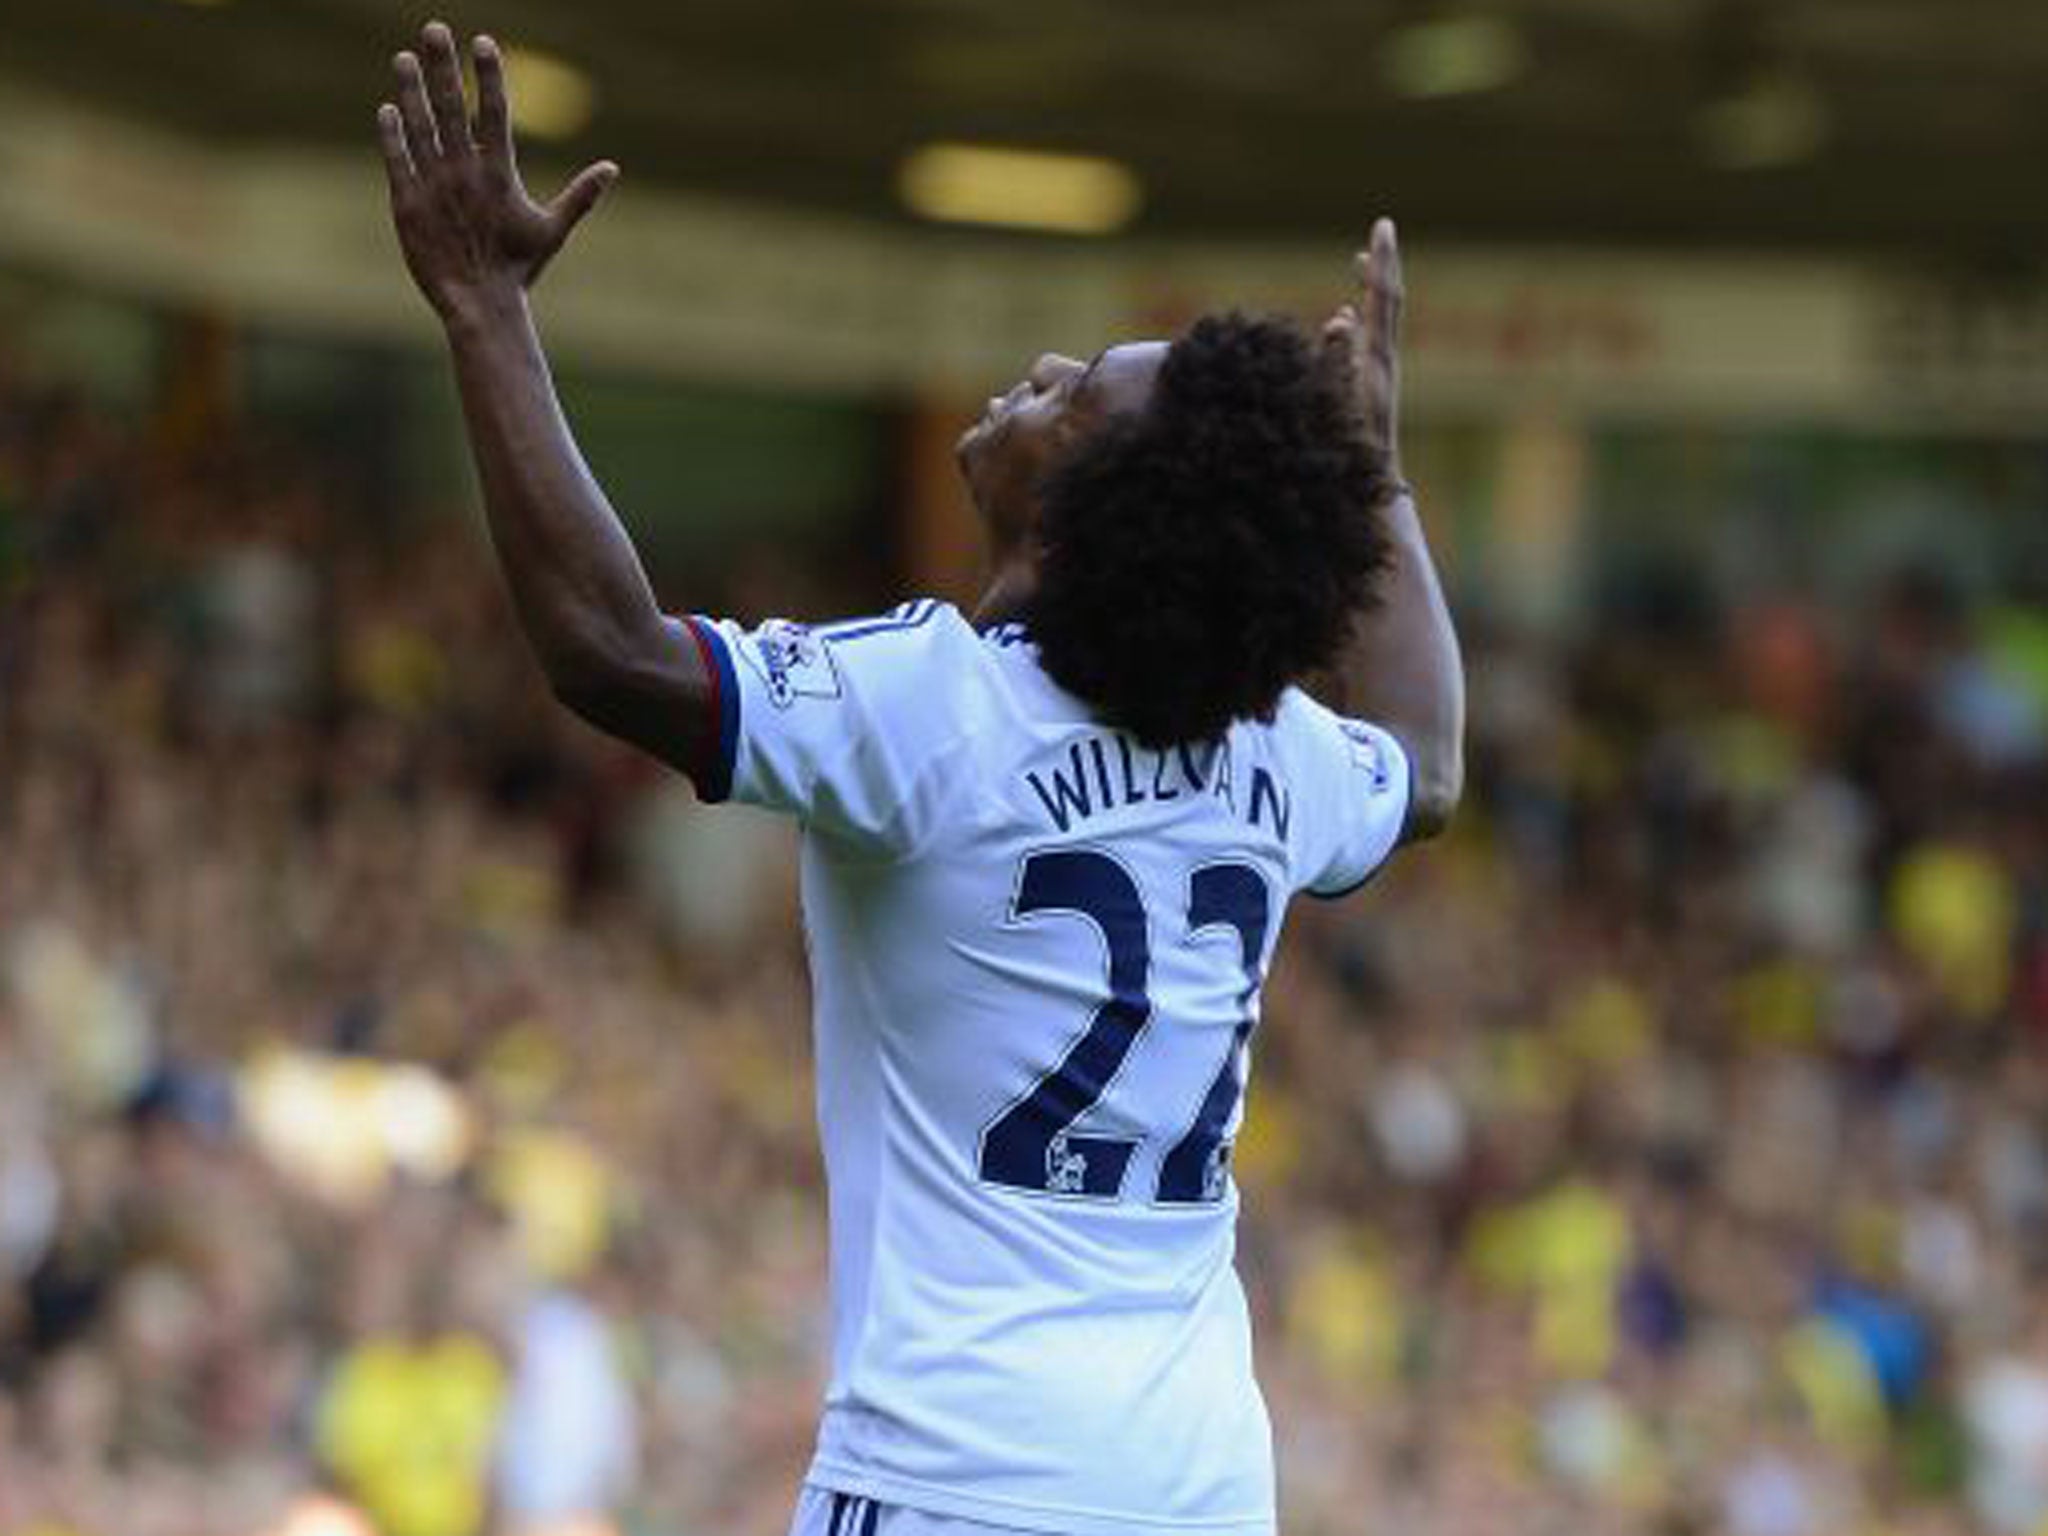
pixel 1363 339
pixel 470 231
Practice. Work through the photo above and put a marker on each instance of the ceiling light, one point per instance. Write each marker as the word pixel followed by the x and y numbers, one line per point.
pixel 1774 118
pixel 1019 189
pixel 1454 55
pixel 551 98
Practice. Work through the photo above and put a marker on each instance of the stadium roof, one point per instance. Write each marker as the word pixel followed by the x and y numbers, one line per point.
pixel 1906 125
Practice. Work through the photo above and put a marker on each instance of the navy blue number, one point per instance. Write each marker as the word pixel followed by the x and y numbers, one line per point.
pixel 1031 1145
pixel 1235 896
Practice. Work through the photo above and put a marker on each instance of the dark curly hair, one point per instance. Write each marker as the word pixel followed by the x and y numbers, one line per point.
pixel 1201 554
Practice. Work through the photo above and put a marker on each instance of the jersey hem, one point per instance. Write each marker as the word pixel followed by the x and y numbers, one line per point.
pixel 1060 1520
pixel 1347 890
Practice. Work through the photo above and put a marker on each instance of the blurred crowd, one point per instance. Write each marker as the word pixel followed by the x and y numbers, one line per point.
pixel 405 1095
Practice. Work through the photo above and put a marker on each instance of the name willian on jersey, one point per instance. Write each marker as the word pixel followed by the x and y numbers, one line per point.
pixel 1108 771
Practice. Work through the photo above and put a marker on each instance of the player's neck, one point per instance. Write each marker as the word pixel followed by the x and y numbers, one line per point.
pixel 1007 595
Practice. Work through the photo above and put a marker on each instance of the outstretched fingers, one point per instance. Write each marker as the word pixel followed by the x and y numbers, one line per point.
pixel 1365 335
pixel 1382 294
pixel 398 168
pixel 417 120
pixel 581 195
pixel 444 90
pixel 493 113
pixel 569 207
pixel 1339 345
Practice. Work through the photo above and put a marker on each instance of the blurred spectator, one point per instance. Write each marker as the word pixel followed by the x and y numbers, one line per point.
pixel 566 1446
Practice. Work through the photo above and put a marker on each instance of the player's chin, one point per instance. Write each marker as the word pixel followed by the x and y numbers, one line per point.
pixel 973 444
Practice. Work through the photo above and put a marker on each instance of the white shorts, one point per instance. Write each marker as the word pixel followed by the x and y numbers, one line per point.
pixel 822 1512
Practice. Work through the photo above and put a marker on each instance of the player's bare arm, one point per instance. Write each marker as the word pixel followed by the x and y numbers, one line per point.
pixel 475 241
pixel 1403 670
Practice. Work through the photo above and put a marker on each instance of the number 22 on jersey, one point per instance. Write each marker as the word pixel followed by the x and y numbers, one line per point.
pixel 1032 1145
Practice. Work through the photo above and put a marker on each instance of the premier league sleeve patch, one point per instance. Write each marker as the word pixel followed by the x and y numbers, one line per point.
pixel 1368 753
pixel 793 662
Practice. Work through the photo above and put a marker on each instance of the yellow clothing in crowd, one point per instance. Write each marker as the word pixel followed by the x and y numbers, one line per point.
pixel 1567 1249
pixel 408 1430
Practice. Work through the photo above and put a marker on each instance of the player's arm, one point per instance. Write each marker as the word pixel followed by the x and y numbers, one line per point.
pixel 474 242
pixel 1402 670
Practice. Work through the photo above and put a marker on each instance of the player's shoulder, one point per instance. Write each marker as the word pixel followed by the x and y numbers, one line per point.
pixel 1302 723
pixel 915 622
pixel 898 650
pixel 924 635
pixel 1318 738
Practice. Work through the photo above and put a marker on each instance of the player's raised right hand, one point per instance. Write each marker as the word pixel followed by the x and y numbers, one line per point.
pixel 471 233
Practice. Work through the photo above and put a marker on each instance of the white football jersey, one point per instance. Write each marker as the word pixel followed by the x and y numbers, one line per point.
pixel 1036 949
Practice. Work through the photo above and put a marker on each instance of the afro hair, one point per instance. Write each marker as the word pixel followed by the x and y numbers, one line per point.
pixel 1203 553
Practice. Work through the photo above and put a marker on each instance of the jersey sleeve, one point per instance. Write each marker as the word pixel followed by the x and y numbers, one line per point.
pixel 1358 781
pixel 847 726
